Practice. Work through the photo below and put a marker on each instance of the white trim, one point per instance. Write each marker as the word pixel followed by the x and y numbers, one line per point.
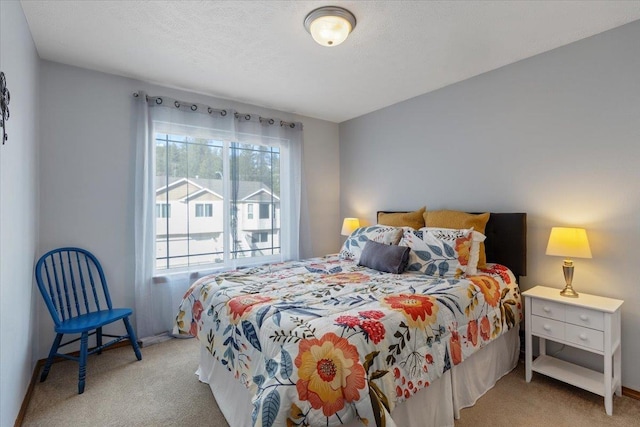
pixel 175 183
pixel 198 194
pixel 262 190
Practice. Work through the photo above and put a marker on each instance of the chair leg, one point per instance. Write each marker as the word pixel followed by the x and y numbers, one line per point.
pixel 83 361
pixel 132 338
pixel 99 339
pixel 52 353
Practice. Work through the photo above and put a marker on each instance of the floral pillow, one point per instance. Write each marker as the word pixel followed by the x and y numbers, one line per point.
pixel 353 246
pixel 471 251
pixel 443 252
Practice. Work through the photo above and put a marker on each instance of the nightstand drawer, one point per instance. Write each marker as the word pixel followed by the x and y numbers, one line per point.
pixel 585 317
pixel 548 309
pixel 549 328
pixel 584 337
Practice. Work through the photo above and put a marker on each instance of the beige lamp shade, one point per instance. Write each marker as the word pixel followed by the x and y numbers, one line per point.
pixel 568 243
pixel 349 225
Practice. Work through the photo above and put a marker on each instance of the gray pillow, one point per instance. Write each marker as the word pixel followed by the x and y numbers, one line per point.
pixel 381 257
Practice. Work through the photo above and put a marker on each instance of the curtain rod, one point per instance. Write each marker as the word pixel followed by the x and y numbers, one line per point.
pixel 210 110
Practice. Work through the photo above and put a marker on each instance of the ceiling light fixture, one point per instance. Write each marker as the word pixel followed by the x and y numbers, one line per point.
pixel 330 25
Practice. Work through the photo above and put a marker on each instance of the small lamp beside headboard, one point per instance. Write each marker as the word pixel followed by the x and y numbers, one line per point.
pixel 349 225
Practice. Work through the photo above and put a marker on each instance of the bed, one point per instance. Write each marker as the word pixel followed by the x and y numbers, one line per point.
pixel 326 341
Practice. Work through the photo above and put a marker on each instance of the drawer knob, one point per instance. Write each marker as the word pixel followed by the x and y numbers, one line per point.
pixel 546 327
pixel 547 309
pixel 584 317
pixel 583 336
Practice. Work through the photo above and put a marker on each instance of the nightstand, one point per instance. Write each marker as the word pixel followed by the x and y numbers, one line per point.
pixel 590 323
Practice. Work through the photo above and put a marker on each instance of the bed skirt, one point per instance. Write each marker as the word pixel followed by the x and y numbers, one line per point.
pixel 440 403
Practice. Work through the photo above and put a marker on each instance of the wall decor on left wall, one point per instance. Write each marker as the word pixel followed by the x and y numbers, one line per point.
pixel 5 97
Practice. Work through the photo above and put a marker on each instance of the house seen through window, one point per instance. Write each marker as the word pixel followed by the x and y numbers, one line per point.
pixel 205 195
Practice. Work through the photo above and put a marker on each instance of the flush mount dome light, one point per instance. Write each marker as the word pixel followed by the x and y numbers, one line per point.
pixel 330 25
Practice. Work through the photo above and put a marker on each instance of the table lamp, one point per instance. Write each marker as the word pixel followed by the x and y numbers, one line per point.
pixel 568 243
pixel 349 225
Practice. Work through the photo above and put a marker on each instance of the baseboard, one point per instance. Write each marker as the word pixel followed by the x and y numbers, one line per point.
pixel 36 371
pixel 27 395
pixel 629 392
pixel 154 339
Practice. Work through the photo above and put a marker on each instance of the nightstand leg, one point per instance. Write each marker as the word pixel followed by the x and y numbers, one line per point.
pixel 528 351
pixel 527 355
pixel 608 397
pixel 608 371
pixel 617 370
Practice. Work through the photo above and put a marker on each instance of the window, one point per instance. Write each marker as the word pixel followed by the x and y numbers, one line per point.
pixel 264 210
pixel 204 210
pixel 260 237
pixel 189 167
pixel 163 210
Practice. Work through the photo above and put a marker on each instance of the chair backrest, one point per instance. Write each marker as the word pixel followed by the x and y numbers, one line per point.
pixel 72 283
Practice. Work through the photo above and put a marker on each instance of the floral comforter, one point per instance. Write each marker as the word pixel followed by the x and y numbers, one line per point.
pixel 324 341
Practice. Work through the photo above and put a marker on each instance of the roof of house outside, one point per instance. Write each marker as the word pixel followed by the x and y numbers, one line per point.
pixel 248 191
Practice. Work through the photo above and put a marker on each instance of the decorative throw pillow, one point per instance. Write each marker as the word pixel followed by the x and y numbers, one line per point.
pixel 440 252
pixel 461 220
pixel 381 257
pixel 468 250
pixel 414 219
pixel 353 246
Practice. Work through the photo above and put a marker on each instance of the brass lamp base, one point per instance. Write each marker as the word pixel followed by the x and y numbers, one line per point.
pixel 567 269
pixel 569 292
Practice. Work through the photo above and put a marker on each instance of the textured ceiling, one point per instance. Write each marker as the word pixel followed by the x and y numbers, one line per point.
pixel 258 52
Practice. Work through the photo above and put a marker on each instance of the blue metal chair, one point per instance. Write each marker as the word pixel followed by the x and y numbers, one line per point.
pixel 75 290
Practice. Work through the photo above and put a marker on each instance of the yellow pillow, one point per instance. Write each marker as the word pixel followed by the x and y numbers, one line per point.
pixel 457 219
pixel 414 220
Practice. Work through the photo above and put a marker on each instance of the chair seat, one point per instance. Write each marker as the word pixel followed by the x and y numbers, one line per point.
pixel 87 322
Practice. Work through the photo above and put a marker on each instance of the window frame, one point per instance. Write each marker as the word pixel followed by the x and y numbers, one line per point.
pixel 207 210
pixel 163 210
pixel 268 210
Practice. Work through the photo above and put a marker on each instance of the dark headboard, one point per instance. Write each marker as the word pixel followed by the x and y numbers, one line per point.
pixel 506 242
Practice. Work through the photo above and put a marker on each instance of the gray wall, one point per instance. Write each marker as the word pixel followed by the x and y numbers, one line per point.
pixel 556 136
pixel 87 171
pixel 18 211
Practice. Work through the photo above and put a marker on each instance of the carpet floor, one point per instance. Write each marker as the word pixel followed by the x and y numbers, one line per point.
pixel 162 390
